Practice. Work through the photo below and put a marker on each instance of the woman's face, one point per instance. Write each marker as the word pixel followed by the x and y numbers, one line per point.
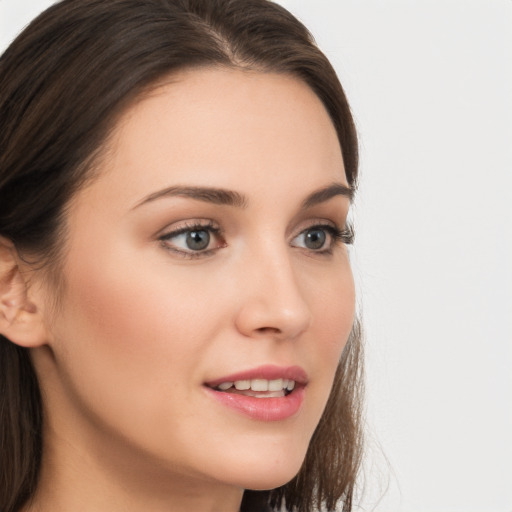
pixel 210 249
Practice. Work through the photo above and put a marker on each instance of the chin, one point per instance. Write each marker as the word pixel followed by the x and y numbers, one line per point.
pixel 269 482
pixel 268 473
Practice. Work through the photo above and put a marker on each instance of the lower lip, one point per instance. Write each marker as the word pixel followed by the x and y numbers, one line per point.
pixel 262 409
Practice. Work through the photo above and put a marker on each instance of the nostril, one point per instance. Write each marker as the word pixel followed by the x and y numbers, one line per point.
pixel 268 330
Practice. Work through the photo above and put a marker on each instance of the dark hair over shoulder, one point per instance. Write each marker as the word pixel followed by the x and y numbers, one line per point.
pixel 63 83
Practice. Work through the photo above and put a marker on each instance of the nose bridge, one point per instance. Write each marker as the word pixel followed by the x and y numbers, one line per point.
pixel 272 299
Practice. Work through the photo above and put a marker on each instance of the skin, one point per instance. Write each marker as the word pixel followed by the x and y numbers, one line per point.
pixel 142 326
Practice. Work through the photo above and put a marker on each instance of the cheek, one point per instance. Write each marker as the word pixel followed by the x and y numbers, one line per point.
pixel 132 316
pixel 127 338
pixel 333 313
pixel 333 307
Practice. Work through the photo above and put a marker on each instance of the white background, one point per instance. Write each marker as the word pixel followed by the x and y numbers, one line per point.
pixel 430 83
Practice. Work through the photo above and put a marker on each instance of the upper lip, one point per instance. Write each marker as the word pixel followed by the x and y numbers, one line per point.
pixel 268 372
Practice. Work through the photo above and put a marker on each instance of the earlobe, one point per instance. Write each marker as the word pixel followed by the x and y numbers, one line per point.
pixel 20 318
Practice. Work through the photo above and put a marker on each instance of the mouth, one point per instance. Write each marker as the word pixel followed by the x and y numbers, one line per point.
pixel 267 393
pixel 258 388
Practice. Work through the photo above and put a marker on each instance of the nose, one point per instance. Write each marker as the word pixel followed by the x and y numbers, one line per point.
pixel 272 303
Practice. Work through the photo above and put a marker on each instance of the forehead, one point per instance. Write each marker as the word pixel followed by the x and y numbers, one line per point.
pixel 235 129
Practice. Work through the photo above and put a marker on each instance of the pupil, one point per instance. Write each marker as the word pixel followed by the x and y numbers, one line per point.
pixel 198 240
pixel 315 239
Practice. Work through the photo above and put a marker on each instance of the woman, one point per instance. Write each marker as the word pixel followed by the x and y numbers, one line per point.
pixel 177 302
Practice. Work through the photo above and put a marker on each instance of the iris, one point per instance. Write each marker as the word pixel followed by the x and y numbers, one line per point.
pixel 315 238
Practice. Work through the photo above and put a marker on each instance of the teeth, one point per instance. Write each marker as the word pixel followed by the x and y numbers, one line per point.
pixel 259 385
pixel 242 385
pixel 275 385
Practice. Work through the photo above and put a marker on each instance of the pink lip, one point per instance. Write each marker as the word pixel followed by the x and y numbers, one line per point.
pixel 269 372
pixel 263 409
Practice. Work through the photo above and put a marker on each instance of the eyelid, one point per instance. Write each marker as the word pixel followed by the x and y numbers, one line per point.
pixel 179 227
pixel 312 223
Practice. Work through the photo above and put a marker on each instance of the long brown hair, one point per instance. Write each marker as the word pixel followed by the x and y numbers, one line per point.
pixel 63 83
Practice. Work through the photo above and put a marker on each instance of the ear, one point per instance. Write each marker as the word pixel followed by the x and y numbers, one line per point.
pixel 20 318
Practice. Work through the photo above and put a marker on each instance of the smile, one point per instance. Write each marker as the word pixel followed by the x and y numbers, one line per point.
pixel 267 393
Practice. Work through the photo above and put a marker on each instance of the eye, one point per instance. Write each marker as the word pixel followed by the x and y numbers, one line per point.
pixel 322 238
pixel 193 240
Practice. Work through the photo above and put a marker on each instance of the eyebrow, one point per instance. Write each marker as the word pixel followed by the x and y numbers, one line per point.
pixel 326 193
pixel 225 197
pixel 206 194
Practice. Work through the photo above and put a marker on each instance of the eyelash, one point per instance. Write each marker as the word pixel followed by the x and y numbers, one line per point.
pixel 338 236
